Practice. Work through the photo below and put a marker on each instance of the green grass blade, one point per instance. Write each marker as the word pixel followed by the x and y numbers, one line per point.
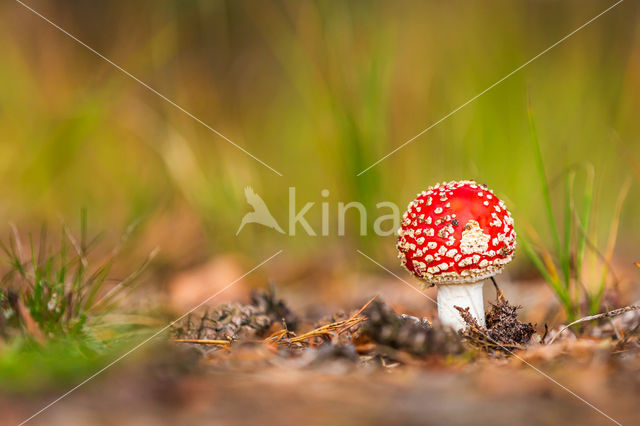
pixel 611 243
pixel 93 285
pixel 585 218
pixel 565 255
pixel 124 284
pixel 553 282
pixel 543 181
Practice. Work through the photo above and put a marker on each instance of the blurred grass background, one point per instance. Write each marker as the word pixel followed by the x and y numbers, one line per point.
pixel 319 91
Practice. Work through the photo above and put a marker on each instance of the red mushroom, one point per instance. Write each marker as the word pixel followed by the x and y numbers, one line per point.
pixel 455 235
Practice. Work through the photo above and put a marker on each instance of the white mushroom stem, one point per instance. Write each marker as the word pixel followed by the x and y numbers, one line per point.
pixel 467 295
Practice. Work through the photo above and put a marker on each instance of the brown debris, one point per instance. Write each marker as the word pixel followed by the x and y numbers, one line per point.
pixel 262 334
pixel 375 331
pixel 503 325
pixel 504 331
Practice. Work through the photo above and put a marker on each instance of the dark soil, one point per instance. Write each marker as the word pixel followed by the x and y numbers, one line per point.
pixel 503 332
pixel 504 327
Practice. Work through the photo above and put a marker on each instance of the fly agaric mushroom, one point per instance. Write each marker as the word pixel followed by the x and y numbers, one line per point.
pixel 455 235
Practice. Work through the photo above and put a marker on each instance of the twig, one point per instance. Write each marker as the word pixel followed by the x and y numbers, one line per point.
pixel 608 314
pixel 546 331
pixel 499 294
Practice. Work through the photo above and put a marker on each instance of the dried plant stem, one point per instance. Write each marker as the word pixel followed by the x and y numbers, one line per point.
pixel 609 314
pixel 31 326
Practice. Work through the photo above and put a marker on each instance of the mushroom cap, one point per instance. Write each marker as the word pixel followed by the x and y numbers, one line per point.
pixel 455 233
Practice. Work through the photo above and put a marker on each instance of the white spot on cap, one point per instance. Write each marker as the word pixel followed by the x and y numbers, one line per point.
pixel 473 239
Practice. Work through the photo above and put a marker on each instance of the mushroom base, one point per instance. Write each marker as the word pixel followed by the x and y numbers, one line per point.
pixel 462 295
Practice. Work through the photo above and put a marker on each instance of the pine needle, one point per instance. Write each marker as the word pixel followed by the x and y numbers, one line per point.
pixel 338 327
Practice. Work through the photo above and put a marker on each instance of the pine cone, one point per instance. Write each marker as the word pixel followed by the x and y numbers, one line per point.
pixel 407 333
pixel 232 321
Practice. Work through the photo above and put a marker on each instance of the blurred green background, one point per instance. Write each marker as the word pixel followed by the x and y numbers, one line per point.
pixel 317 90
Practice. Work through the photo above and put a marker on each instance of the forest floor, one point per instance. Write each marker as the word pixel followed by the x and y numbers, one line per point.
pixel 240 363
